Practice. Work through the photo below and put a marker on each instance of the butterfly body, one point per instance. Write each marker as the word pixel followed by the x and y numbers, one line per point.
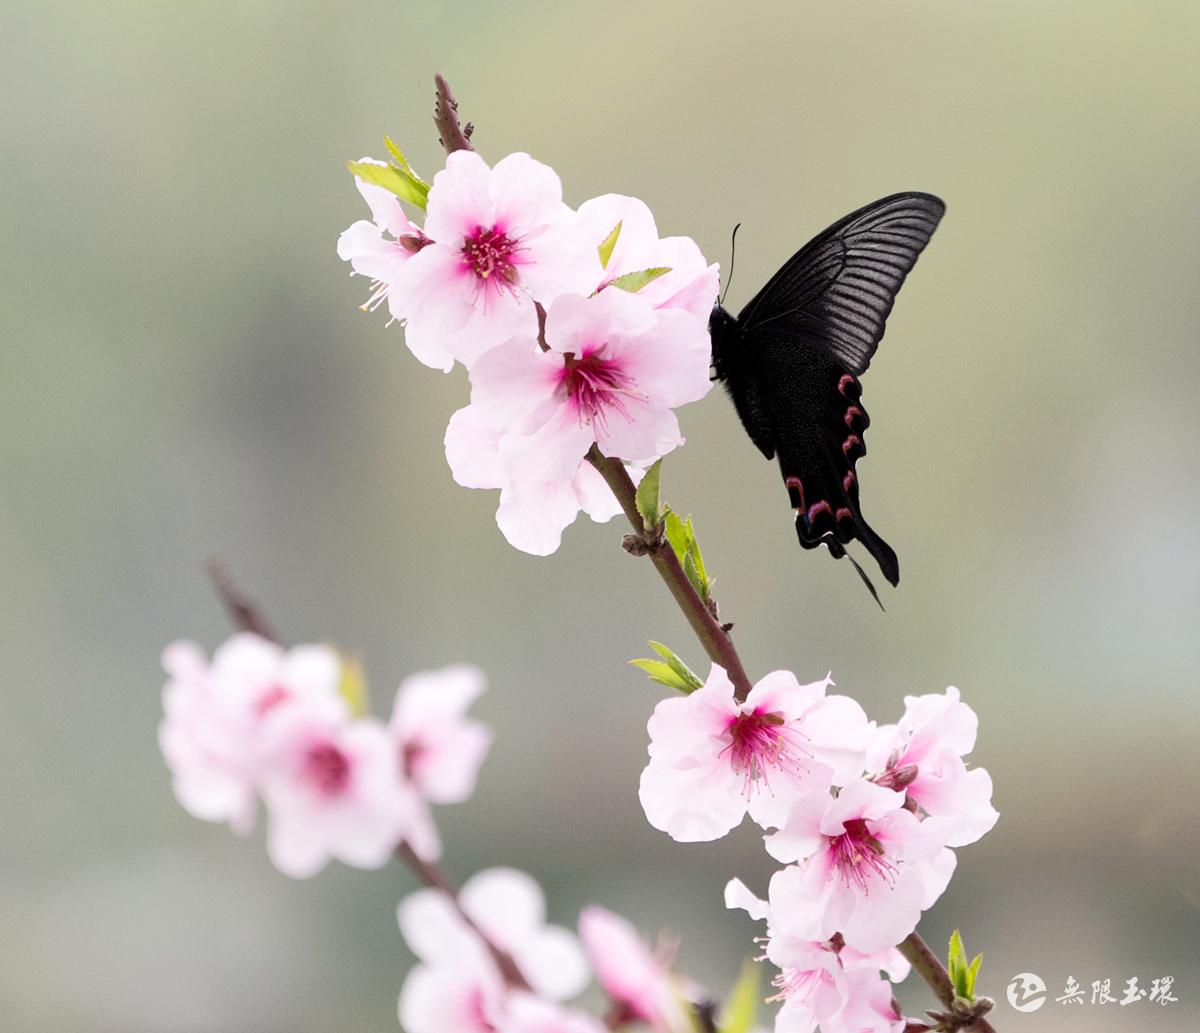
pixel 792 358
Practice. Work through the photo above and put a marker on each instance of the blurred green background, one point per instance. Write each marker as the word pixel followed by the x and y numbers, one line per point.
pixel 186 375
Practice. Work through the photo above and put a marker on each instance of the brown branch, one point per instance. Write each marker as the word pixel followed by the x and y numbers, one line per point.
pixel 713 637
pixel 243 613
pixel 451 134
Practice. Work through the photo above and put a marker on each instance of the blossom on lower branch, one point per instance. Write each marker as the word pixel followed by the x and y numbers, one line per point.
pixel 825 982
pixel 262 721
pixel 458 987
pixel 713 759
pixel 868 867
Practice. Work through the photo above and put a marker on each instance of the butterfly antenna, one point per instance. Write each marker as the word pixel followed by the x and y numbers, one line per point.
pixel 732 256
pixel 866 580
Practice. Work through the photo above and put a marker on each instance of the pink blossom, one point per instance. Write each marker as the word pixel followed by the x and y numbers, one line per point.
pixel 528 1014
pixel 639 983
pixel 691 283
pixel 333 789
pixel 713 759
pixel 441 749
pixel 923 755
pixel 438 747
pixel 463 996
pixel 825 983
pixel 869 867
pixel 615 369
pixel 501 239
pixel 214 715
pixel 379 248
pixel 508 907
pixel 532 514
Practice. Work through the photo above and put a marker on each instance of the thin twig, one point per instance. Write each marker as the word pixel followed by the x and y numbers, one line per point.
pixel 445 117
pixel 713 637
pixel 243 613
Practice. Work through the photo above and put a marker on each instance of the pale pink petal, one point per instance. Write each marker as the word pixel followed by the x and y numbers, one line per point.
pixel 525 194
pixel 473 450
pixel 515 381
pixel 578 324
pixel 458 199
pixel 646 435
pixel 533 516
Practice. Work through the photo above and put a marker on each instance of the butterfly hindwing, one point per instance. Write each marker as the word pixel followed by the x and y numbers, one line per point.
pixel 820 423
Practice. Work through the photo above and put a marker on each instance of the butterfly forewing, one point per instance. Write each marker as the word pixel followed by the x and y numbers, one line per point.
pixel 838 290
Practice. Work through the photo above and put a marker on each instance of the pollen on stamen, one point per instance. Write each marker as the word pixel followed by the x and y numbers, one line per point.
pixel 595 385
pixel 858 856
pixel 764 742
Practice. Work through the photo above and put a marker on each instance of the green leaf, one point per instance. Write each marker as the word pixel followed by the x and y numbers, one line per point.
pixel 352 686
pixel 647 497
pixel 972 974
pixel 399 158
pixel 693 575
pixel 634 282
pixel 404 186
pixel 962 975
pixel 697 559
pixel 741 1008
pixel 607 245
pixel 664 674
pixel 682 536
pixel 676 534
pixel 689 677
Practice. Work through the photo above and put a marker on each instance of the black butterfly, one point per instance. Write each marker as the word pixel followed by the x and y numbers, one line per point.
pixel 792 358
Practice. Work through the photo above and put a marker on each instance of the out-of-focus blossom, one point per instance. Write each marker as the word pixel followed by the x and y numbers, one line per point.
pixel 532 514
pixel 639 983
pixel 713 759
pixel 923 755
pixel 499 240
pixel 441 749
pixel 825 983
pixel 614 371
pixel 215 713
pixel 869 867
pixel 508 907
pixel 690 284
pixel 525 1013
pixel 333 789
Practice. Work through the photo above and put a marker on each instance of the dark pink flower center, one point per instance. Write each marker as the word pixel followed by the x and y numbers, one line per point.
pixel 491 254
pixel 594 385
pixel 410 756
pixel 858 856
pixel 327 768
pixel 761 742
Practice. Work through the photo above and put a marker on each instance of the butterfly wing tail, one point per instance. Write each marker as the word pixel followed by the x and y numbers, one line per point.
pixel 884 555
